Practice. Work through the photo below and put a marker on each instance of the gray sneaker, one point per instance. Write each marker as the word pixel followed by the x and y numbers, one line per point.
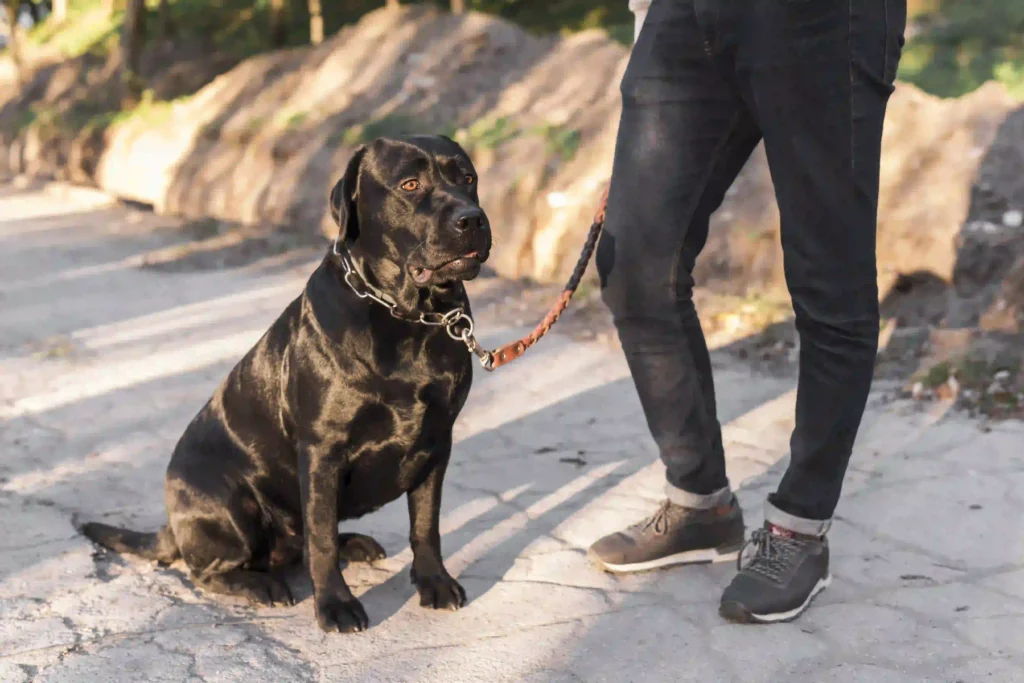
pixel 780 579
pixel 673 535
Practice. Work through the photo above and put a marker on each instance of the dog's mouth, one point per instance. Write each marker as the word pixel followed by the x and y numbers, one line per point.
pixel 463 266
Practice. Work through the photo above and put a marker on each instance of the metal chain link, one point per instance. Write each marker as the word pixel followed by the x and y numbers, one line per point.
pixel 450 320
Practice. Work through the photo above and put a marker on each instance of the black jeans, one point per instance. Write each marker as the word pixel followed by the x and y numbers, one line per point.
pixel 707 80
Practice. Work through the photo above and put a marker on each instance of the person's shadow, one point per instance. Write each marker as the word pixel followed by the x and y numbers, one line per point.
pixel 525 479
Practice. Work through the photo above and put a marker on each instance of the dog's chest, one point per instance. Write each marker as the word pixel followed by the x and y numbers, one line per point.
pixel 399 435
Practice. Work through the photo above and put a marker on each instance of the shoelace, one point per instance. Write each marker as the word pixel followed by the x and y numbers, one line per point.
pixel 773 554
pixel 659 520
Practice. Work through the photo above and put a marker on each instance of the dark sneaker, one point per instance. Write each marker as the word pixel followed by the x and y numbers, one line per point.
pixel 674 535
pixel 780 579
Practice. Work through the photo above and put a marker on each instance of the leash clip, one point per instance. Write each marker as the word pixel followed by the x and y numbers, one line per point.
pixel 453 319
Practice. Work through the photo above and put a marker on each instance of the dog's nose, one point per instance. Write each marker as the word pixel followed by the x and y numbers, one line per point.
pixel 469 219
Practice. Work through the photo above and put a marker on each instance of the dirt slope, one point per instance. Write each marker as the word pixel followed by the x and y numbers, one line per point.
pixel 264 142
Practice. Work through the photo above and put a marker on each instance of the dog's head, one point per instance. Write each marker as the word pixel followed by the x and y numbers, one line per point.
pixel 409 208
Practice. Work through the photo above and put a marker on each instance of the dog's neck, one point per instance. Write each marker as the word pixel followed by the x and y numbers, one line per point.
pixel 407 298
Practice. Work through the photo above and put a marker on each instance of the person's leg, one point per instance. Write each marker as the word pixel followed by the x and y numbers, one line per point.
pixel 683 137
pixel 818 76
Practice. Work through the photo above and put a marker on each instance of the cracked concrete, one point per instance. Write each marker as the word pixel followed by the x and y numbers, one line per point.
pixel 102 363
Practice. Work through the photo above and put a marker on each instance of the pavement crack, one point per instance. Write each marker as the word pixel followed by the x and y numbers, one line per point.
pixel 935 558
pixel 605 594
pixel 121 635
pixel 504 633
pixel 40 544
pixel 75 646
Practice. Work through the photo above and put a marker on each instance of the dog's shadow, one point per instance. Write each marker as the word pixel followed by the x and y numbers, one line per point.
pixel 506 488
pixel 526 455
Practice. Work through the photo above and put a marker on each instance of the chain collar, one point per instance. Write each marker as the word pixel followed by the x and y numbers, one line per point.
pixel 456 322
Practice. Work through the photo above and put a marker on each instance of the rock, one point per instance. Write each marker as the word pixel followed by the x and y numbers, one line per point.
pixel 946 345
pixel 264 142
pixel 988 279
pixel 1006 311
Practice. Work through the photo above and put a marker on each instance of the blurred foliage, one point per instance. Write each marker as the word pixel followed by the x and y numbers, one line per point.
pixel 88 29
pixel 957 45
pixel 565 16
pixel 242 27
pixel 85 115
pixel 560 141
pixel 389 125
pixel 961 44
pixel 487 133
pixel 236 27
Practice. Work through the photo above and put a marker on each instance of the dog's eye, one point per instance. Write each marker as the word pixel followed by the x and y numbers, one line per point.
pixel 411 185
pixel 470 179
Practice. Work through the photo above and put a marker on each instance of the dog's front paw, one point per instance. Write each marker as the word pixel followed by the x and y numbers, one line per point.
pixel 334 613
pixel 439 591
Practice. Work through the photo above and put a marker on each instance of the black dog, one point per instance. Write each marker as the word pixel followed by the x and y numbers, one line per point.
pixel 343 405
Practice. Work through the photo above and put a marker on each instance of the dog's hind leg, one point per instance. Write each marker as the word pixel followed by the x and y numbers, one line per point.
pixel 261 588
pixel 221 561
pixel 359 548
pixel 226 547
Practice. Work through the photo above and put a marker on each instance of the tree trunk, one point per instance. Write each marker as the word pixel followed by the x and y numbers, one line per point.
pixel 458 6
pixel 60 11
pixel 278 32
pixel 14 40
pixel 132 39
pixel 166 23
pixel 316 22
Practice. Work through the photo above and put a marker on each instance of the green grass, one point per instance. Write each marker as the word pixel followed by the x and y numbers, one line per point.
pixel 83 116
pixel 88 29
pixel 487 133
pixel 564 16
pixel 962 44
pixel 290 120
pixel 392 125
pixel 490 133
pixel 150 110
pixel 560 141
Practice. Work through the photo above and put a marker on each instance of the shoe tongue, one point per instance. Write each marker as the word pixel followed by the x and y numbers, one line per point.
pixel 783 532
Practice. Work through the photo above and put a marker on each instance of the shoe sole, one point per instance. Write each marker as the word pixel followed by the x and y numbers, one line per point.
pixel 703 556
pixel 738 614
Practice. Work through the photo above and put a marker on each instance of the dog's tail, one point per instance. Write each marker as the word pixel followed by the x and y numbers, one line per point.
pixel 159 546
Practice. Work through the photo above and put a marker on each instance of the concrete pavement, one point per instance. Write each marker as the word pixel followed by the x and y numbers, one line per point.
pixel 103 362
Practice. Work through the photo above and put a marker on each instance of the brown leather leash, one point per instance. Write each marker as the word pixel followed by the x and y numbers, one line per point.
pixel 514 350
pixel 459 325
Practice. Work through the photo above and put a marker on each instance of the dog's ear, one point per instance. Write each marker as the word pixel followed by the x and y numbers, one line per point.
pixel 343 199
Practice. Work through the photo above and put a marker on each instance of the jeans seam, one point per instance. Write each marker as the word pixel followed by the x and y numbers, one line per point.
pixel 849 53
pixel 692 210
pixel 885 44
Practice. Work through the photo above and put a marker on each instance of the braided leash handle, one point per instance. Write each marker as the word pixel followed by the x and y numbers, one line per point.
pixel 510 352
